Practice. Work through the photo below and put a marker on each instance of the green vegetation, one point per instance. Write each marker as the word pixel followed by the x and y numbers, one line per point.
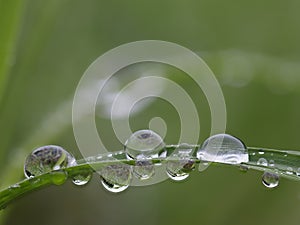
pixel 252 47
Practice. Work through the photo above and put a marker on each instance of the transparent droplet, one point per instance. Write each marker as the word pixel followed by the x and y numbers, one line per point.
pixel 298 172
pixel 116 178
pixel 262 162
pixel 145 144
pixel 143 169
pixel 180 164
pixel 46 159
pixel 82 179
pixel 289 171
pixel 270 180
pixel 203 166
pixel 223 148
pixel 271 163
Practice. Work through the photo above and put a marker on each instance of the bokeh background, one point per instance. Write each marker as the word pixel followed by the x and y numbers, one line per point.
pixel 251 46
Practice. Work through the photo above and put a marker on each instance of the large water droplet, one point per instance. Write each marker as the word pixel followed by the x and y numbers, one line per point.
pixel 179 164
pixel 223 148
pixel 116 178
pixel 82 179
pixel 46 159
pixel 145 144
pixel 143 169
pixel 270 180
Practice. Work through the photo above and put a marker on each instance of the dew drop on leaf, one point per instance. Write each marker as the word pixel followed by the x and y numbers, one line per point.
pixel 145 144
pixel 262 162
pixel 179 163
pixel 223 148
pixel 82 179
pixel 270 180
pixel 46 159
pixel 143 169
pixel 116 178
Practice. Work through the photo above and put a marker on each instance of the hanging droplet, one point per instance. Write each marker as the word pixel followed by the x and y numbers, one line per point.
pixel 82 179
pixel 203 166
pixel 145 144
pixel 116 178
pixel 262 162
pixel 46 159
pixel 143 169
pixel 180 164
pixel 223 148
pixel 270 180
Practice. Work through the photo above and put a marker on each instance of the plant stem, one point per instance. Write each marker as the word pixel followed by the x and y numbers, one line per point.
pixel 284 163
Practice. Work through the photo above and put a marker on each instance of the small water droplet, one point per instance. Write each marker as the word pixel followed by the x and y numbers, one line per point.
pixel 145 144
pixel 270 180
pixel 289 171
pixel 223 148
pixel 271 163
pixel 298 172
pixel 46 159
pixel 143 169
pixel 262 162
pixel 82 179
pixel 116 178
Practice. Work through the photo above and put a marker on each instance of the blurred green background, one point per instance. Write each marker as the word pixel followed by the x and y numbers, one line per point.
pixel 251 46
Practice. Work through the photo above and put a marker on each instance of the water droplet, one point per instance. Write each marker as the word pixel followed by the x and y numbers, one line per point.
pixel 179 169
pixel 262 162
pixel 82 179
pixel 58 177
pixel 298 172
pixel 289 171
pixel 143 169
pixel 46 159
pixel 223 148
pixel 270 180
pixel 116 178
pixel 145 144
pixel 203 166
pixel 179 164
pixel 271 163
